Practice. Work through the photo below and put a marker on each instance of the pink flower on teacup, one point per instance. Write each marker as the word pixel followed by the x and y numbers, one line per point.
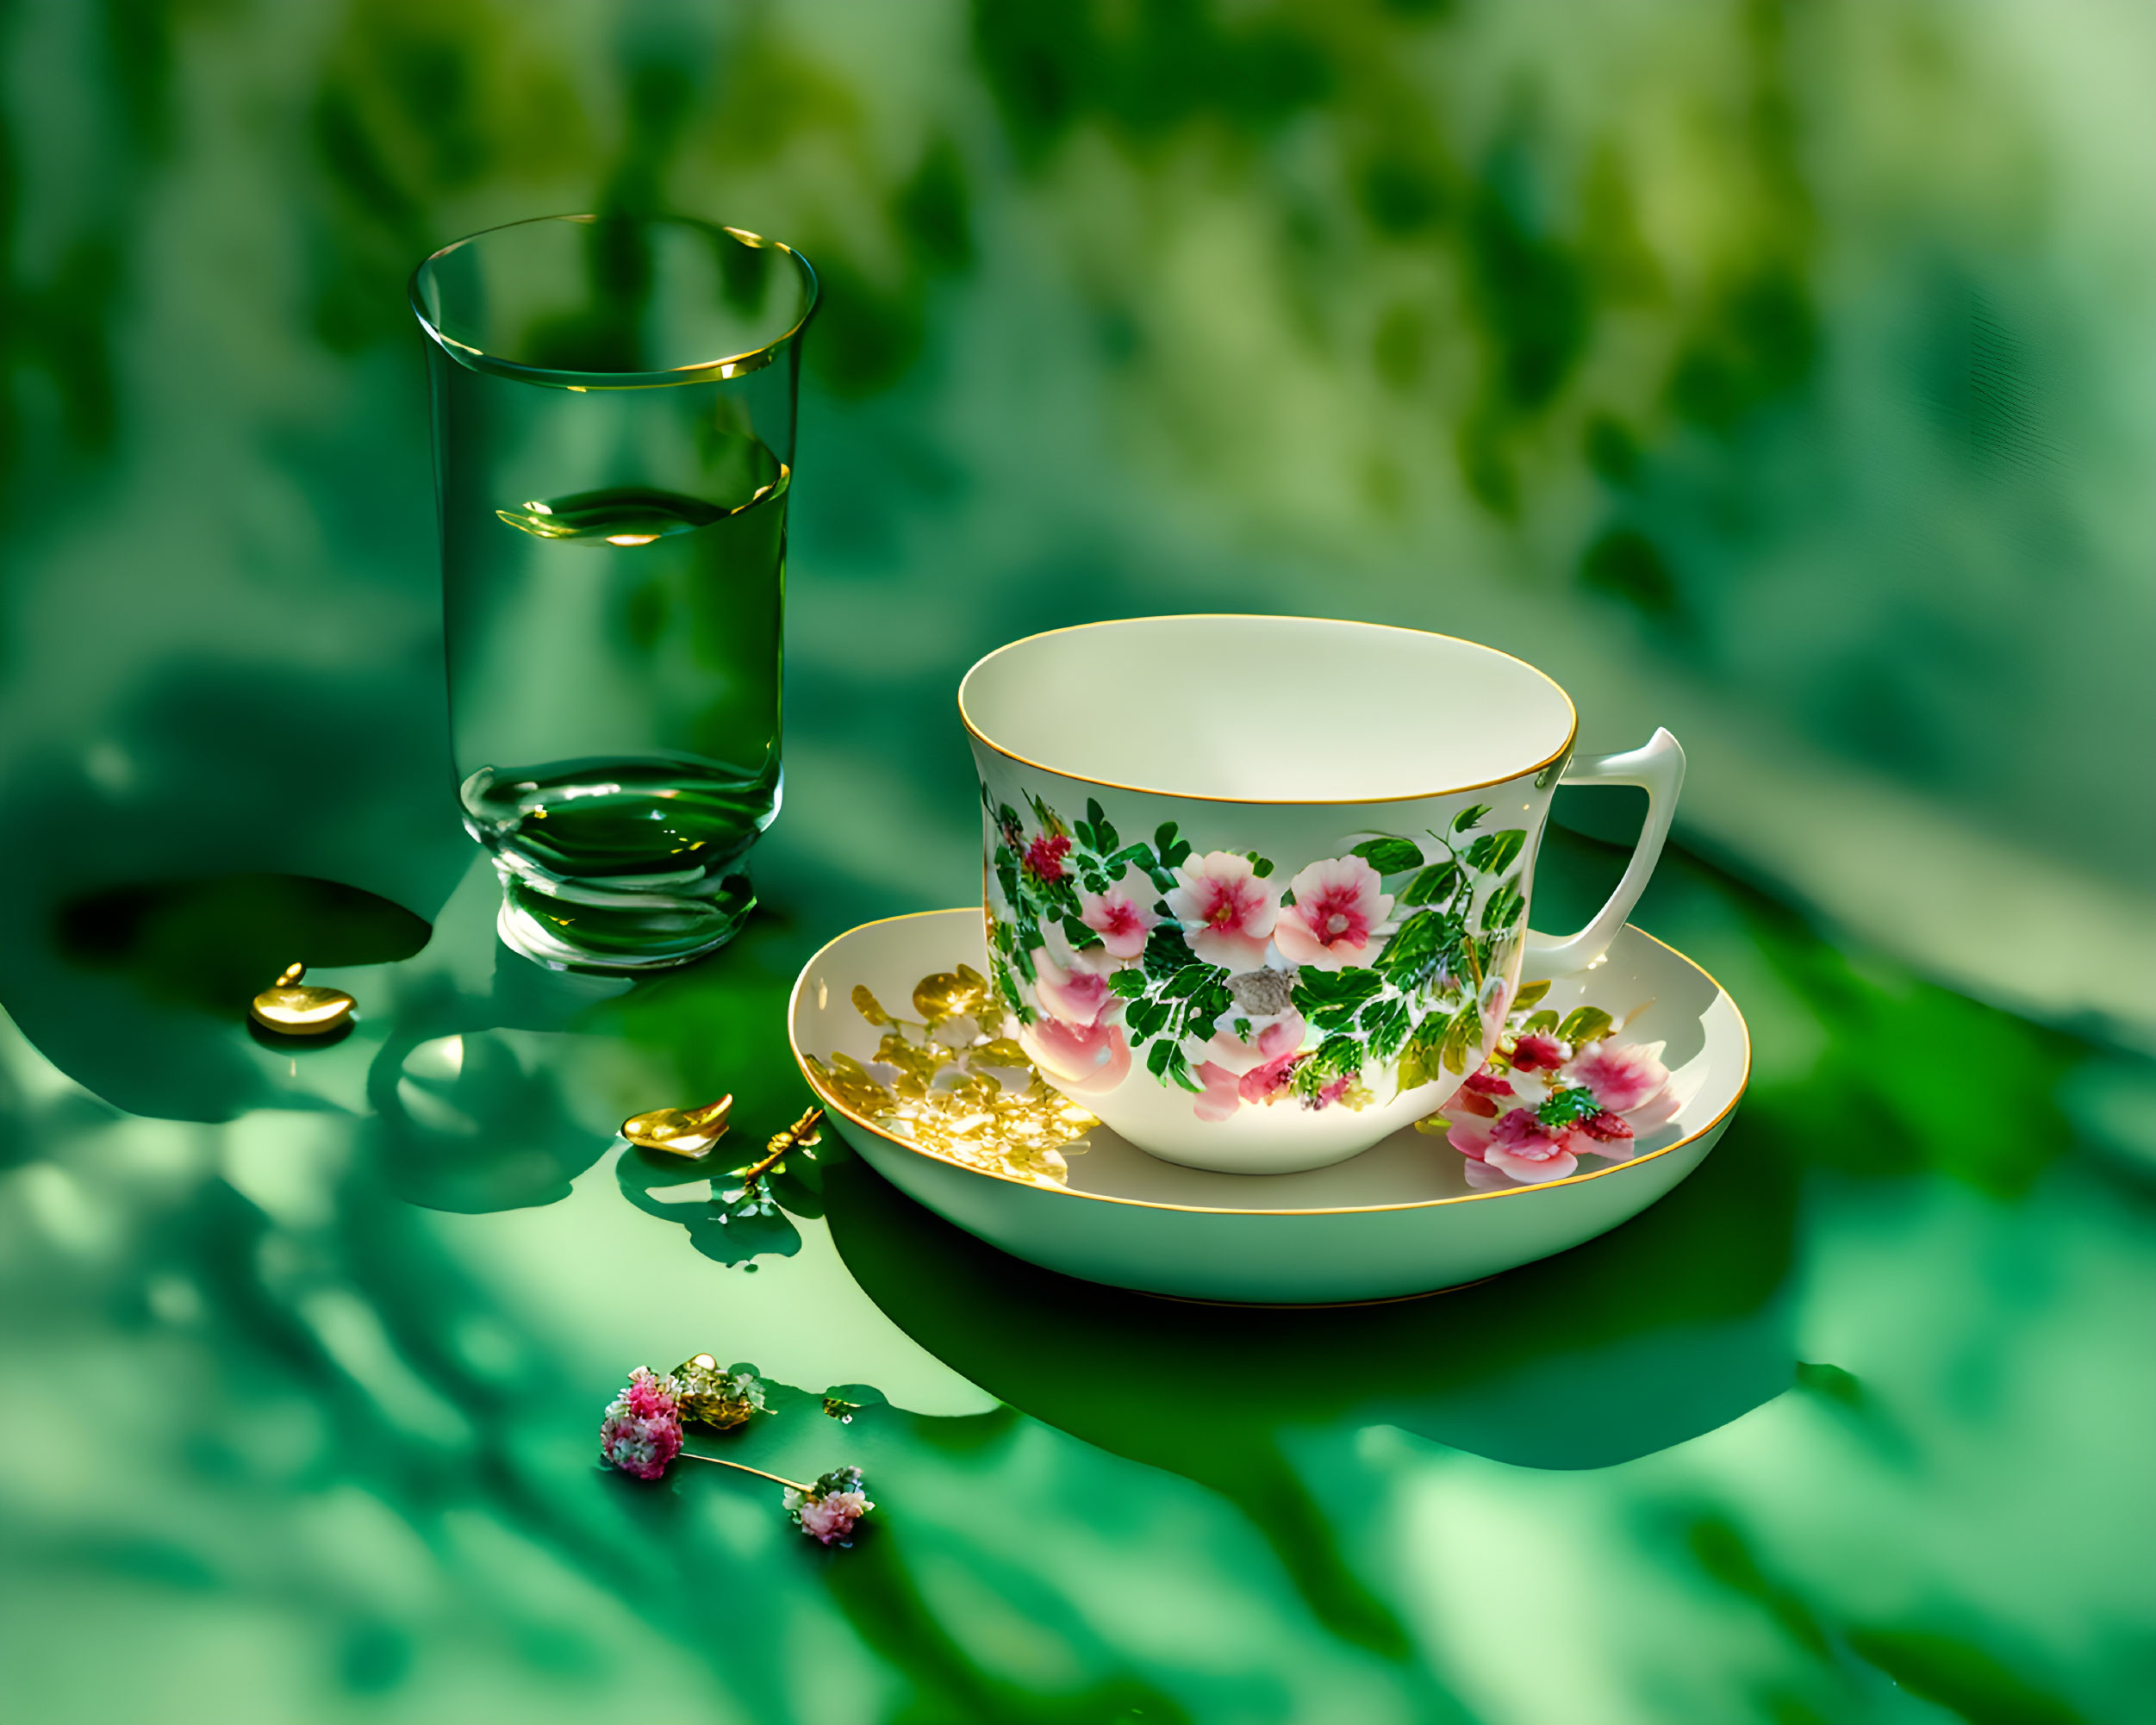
pixel 1124 915
pixel 1222 1093
pixel 1044 856
pixel 1267 1083
pixel 1226 912
pixel 1073 985
pixel 1339 913
pixel 1238 1047
pixel 1091 1059
pixel 1256 1042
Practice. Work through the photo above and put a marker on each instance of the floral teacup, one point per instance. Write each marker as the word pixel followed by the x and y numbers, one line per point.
pixel 1256 888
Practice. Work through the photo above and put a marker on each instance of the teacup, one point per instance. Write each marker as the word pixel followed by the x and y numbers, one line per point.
pixel 1256 888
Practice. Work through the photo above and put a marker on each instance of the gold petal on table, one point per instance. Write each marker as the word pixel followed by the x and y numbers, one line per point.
pixel 680 1131
pixel 293 1011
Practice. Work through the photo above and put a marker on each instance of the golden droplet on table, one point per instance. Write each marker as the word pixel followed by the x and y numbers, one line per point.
pixel 292 1011
pixel 680 1131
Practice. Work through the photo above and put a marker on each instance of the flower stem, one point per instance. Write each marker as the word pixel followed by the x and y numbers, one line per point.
pixel 791 1139
pixel 742 1467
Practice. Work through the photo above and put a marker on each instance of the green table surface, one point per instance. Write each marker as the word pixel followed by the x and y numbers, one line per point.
pixel 302 1353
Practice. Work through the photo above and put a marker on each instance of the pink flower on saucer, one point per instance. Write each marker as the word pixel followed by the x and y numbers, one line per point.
pixel 1124 915
pixel 641 1432
pixel 1527 1126
pixel 1073 985
pixel 1337 915
pixel 1516 1144
pixel 1225 910
pixel 1090 1059
pixel 1538 1053
pixel 1480 1094
pixel 1623 1076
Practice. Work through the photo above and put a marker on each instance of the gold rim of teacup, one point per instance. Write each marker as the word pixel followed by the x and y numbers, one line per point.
pixel 832 1102
pixel 989 743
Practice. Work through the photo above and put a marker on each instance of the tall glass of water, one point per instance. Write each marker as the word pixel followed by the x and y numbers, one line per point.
pixel 613 441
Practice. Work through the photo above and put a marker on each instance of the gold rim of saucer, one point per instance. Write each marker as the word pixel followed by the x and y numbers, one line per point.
pixel 989 743
pixel 831 1103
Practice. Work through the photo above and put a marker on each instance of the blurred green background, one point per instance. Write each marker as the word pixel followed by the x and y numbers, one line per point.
pixel 1784 374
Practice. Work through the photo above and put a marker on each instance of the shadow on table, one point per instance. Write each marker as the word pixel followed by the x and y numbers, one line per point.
pixel 476 1079
pixel 139 991
pixel 162 872
pixel 1666 1328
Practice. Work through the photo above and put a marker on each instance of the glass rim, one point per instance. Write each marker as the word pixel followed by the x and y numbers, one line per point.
pixel 702 371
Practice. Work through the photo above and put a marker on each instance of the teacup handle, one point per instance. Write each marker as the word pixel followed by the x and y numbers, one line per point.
pixel 1657 767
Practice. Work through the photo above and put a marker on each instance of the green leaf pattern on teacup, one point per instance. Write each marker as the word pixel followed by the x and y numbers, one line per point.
pixel 1239 982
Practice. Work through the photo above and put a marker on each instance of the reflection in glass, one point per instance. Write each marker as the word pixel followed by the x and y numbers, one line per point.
pixel 613 434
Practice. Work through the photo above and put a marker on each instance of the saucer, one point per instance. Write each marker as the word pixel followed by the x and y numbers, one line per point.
pixel 960 1131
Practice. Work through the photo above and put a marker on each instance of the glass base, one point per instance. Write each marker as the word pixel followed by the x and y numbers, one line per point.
pixel 568 926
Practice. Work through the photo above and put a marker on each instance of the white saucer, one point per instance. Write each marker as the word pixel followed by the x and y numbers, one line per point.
pixel 1399 1219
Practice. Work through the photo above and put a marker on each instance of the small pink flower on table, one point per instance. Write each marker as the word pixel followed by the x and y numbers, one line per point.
pixel 1226 912
pixel 828 1511
pixel 1338 915
pixel 1122 916
pixel 641 1435
pixel 1091 1059
pixel 641 1432
pixel 1073 985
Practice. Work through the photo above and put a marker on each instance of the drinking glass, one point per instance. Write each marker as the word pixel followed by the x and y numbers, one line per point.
pixel 613 442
